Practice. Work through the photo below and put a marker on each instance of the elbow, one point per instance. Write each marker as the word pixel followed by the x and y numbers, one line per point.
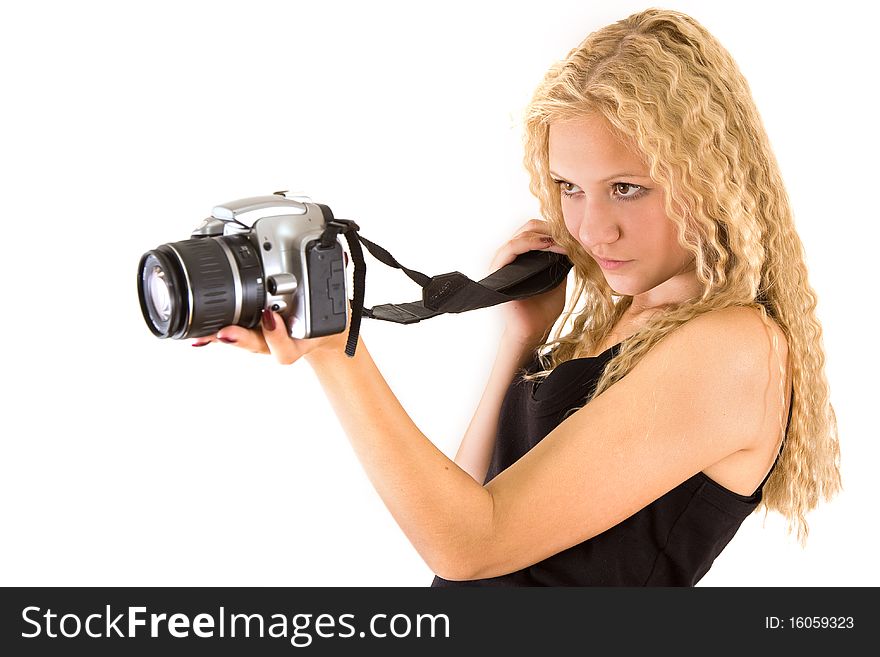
pixel 456 572
pixel 456 569
pixel 466 559
pixel 469 554
pixel 462 560
pixel 465 569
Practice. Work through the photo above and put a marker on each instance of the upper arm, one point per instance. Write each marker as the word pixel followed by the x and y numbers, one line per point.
pixel 475 451
pixel 698 396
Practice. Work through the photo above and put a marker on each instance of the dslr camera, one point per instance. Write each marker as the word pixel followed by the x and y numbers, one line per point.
pixel 277 251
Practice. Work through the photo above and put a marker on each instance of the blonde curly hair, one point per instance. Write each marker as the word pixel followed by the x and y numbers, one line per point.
pixel 663 82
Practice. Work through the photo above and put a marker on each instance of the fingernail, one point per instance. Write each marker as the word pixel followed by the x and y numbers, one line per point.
pixel 268 320
pixel 345 257
pixel 227 340
pixel 200 344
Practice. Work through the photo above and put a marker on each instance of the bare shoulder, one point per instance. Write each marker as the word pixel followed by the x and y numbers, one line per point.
pixel 739 331
pixel 746 324
pixel 734 350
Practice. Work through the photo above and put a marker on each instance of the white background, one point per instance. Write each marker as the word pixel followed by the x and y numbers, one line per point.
pixel 129 460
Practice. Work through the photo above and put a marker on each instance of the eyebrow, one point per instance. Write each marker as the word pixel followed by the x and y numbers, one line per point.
pixel 609 178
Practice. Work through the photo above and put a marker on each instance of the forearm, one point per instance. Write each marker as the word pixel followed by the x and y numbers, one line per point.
pixel 475 452
pixel 445 513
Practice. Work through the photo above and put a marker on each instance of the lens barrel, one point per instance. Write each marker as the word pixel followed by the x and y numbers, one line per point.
pixel 194 288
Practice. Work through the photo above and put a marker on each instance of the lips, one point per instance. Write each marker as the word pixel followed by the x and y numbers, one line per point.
pixel 611 264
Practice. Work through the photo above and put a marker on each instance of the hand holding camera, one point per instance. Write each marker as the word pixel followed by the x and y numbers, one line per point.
pixel 271 337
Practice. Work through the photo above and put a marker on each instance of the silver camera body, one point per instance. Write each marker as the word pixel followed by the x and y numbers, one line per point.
pixel 250 254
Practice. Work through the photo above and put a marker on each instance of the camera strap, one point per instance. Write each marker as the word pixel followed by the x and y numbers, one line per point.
pixel 533 272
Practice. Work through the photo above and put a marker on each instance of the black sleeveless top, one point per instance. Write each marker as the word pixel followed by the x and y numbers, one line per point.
pixel 671 542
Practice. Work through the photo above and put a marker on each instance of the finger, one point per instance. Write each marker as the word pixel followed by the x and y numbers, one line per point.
pixel 539 225
pixel 279 342
pixel 519 245
pixel 549 244
pixel 534 234
pixel 243 338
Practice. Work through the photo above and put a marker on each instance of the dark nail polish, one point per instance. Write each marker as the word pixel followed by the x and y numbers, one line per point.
pixel 200 344
pixel 268 320
pixel 228 340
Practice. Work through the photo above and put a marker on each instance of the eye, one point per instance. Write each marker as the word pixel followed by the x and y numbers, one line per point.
pixel 567 188
pixel 622 189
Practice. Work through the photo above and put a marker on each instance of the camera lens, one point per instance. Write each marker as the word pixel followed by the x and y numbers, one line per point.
pixel 162 292
pixel 196 287
pixel 160 296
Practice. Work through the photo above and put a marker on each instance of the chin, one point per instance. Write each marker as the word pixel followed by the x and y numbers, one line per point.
pixel 624 290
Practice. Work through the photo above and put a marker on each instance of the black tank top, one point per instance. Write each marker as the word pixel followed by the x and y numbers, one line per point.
pixel 671 542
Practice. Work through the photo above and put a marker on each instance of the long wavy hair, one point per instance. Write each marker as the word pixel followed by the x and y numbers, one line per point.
pixel 665 84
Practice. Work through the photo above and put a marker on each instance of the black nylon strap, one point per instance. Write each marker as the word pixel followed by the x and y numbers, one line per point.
pixel 383 256
pixel 357 304
pixel 533 272
pixel 334 227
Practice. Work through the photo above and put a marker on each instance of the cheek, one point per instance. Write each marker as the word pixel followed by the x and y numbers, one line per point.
pixel 666 241
pixel 663 233
pixel 658 229
pixel 569 218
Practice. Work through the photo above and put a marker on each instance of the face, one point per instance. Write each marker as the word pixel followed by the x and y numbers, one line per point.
pixel 615 211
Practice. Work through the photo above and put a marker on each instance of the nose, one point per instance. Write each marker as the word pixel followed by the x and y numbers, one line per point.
pixel 596 225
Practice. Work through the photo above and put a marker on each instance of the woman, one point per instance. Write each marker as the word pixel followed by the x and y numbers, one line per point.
pixel 690 389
